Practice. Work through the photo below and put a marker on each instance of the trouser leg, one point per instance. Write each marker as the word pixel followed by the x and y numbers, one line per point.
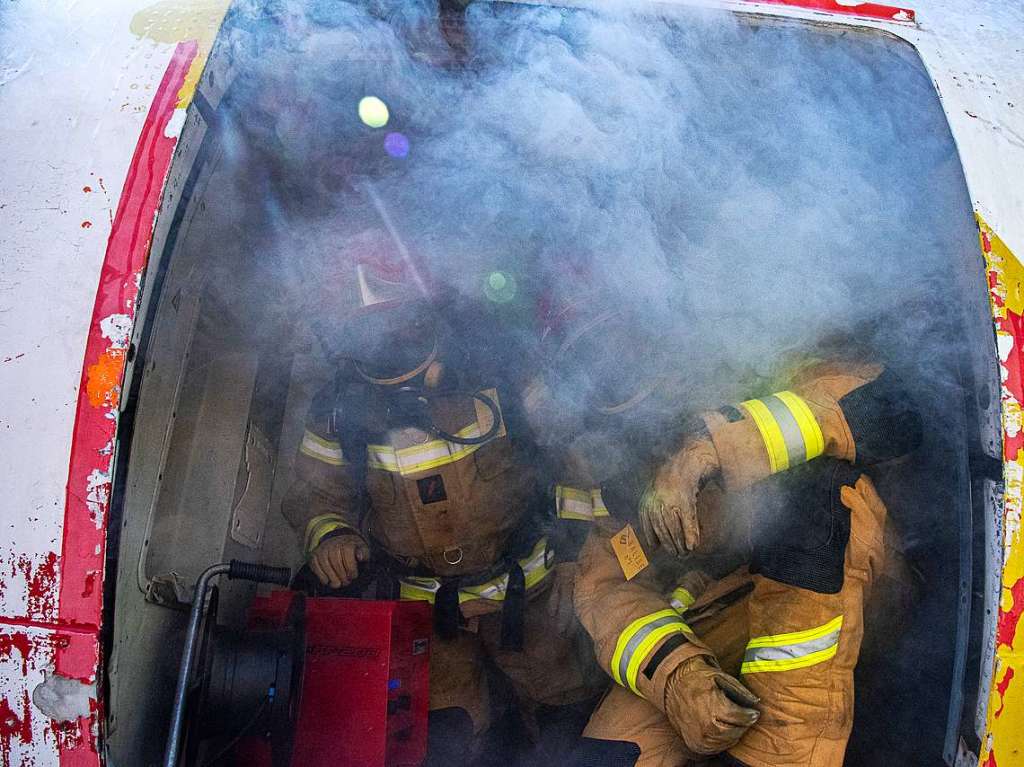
pixel 554 677
pixel 459 700
pixel 803 648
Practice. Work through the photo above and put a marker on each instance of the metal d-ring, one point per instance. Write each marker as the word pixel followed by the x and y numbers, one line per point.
pixel 453 561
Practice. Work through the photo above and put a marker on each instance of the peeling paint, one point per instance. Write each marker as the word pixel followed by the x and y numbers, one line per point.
pixel 37 579
pixel 63 699
pixel 1001 687
pixel 1009 614
pixel 1005 710
pixel 15 726
pixel 97 495
pixel 19 641
pixel 103 379
pixel 117 328
pixel 175 124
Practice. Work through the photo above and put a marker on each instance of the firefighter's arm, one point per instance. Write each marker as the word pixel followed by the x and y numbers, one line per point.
pixel 639 638
pixel 856 413
pixel 322 506
pixel 644 643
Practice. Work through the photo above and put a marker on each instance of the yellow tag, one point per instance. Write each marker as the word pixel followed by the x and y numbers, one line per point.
pixel 630 554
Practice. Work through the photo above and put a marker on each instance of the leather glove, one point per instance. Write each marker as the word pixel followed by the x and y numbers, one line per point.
pixel 709 709
pixel 668 508
pixel 560 600
pixel 336 560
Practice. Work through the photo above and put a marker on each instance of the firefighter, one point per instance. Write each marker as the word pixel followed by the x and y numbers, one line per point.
pixel 727 609
pixel 416 465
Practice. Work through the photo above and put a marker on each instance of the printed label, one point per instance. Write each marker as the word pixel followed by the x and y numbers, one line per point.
pixel 630 554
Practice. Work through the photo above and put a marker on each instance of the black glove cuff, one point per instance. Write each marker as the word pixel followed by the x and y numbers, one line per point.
pixel 883 420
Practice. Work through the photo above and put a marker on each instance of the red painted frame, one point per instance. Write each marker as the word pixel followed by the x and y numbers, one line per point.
pixel 866 10
pixel 83 544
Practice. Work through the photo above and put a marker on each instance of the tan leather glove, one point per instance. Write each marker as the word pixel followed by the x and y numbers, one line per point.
pixel 560 604
pixel 668 509
pixel 336 560
pixel 709 709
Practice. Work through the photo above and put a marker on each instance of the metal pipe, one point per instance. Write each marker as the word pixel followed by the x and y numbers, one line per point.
pixel 187 656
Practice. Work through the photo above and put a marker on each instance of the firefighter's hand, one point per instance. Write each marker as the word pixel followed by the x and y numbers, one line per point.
pixel 709 709
pixel 668 509
pixel 336 560
pixel 560 601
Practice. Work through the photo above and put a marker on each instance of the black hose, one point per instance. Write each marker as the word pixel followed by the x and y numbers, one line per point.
pixel 495 423
pixel 250 571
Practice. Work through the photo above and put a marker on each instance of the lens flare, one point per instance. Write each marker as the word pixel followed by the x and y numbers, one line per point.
pixel 396 144
pixel 500 287
pixel 373 111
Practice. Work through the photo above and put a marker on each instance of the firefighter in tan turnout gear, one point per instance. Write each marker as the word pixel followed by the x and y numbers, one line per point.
pixel 415 465
pixel 750 664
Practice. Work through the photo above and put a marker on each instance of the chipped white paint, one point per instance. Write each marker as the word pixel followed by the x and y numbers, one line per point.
pixel 117 328
pixel 175 124
pixel 63 699
pixel 97 493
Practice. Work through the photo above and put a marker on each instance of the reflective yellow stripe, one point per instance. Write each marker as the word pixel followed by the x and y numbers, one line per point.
pixel 804 661
pixel 430 455
pixel 645 647
pixel 638 639
pixel 583 505
pixel 814 440
pixel 774 442
pixel 793 650
pixel 790 432
pixel 535 569
pixel 681 599
pixel 321 449
pixel 795 637
pixel 573 503
pixel 319 526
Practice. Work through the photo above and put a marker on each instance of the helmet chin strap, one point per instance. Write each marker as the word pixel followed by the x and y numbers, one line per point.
pixel 404 377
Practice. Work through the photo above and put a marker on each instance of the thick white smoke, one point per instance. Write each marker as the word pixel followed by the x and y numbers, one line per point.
pixel 746 190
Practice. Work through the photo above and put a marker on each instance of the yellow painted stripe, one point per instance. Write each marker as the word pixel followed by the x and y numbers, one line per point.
pixel 780 640
pixel 774 442
pixel 814 440
pixel 804 661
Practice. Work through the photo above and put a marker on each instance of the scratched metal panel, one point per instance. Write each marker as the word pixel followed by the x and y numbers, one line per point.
pixel 42 714
pixel 78 84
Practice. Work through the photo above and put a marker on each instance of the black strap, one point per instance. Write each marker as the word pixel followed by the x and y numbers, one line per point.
pixel 513 609
pixel 663 652
pixel 446 610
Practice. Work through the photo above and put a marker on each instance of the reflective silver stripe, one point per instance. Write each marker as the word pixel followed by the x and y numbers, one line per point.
pixel 321 449
pixel 789 657
pixel 795 446
pixel 637 639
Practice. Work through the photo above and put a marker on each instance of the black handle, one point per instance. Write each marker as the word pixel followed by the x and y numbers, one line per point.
pixel 250 571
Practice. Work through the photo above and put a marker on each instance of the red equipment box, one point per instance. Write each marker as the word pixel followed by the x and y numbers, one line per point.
pixel 365 682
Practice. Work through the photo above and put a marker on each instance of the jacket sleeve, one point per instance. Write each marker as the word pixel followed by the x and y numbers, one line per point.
pixel 324 498
pixel 856 413
pixel 639 634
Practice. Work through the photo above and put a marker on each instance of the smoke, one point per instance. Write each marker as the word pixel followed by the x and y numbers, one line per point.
pixel 743 191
